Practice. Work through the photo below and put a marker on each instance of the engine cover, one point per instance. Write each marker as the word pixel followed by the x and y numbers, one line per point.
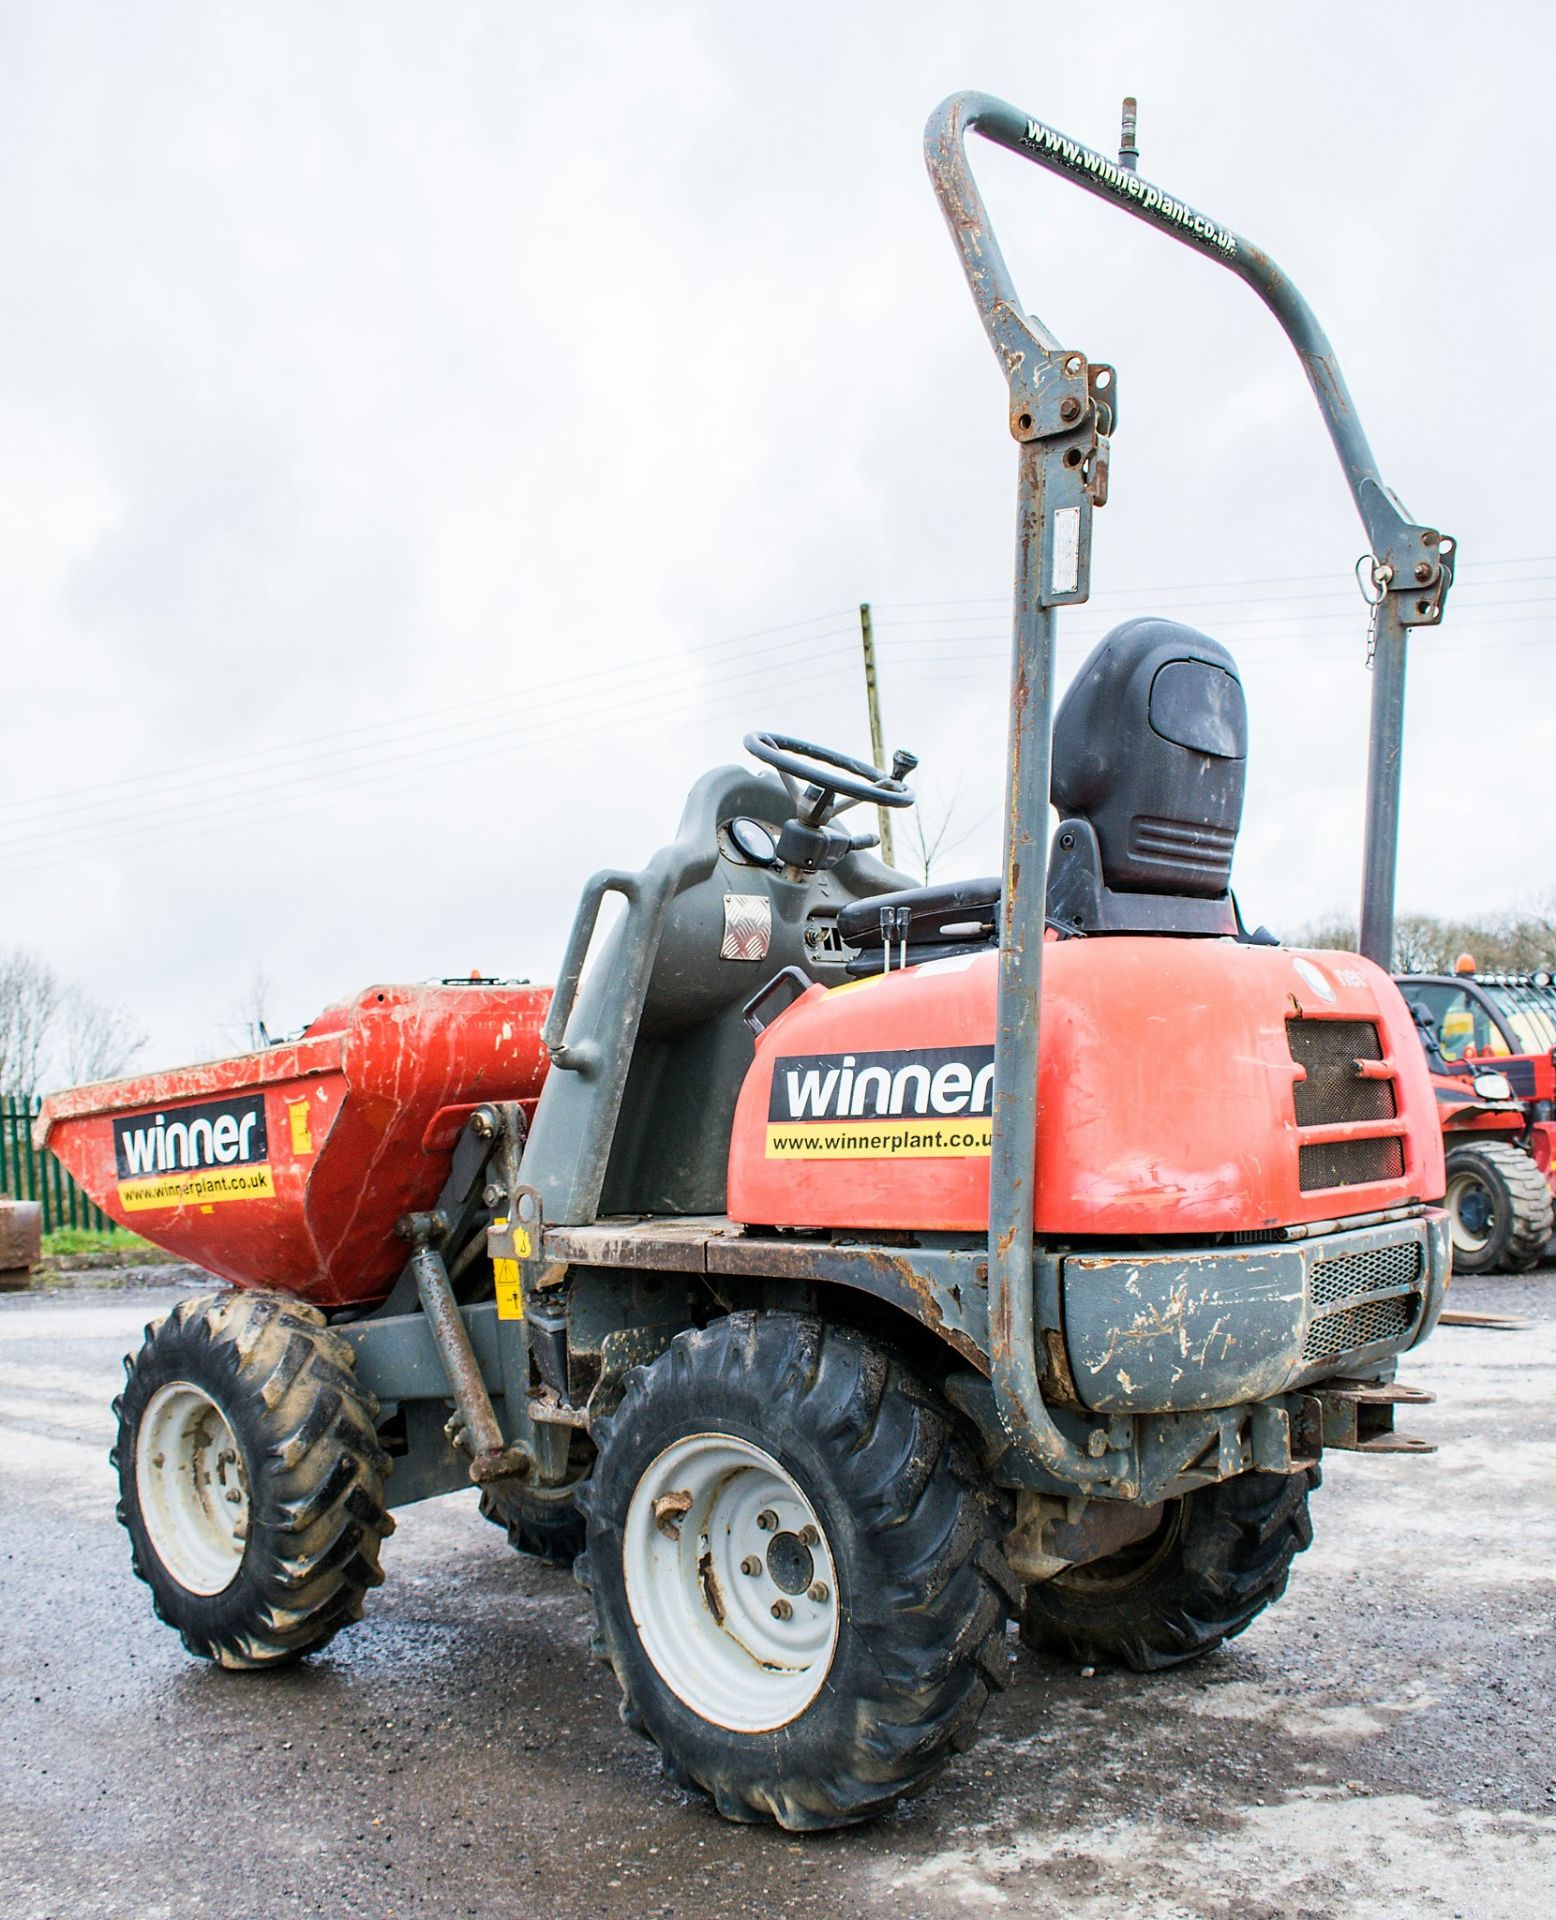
pixel 1187 1087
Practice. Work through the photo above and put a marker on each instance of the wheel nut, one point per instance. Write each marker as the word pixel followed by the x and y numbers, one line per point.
pixel 751 1564
pixel 810 1536
pixel 767 1520
pixel 818 1591
pixel 782 1610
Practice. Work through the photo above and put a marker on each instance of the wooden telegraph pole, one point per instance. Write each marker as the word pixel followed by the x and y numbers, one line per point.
pixel 872 694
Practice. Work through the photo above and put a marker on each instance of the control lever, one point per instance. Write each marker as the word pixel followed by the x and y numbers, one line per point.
pixel 894 926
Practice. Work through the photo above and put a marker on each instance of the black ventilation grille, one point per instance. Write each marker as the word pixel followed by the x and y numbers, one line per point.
pixel 1333 1090
pixel 1349 1163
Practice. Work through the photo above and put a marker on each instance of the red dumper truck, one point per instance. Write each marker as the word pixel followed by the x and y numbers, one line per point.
pixel 839 1267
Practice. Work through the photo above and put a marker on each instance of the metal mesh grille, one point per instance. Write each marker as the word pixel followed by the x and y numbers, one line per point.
pixel 1329 1050
pixel 1349 1274
pixel 1360 1326
pixel 1349 1163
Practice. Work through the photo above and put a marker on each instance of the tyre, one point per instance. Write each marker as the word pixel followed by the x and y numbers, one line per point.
pixel 542 1521
pixel 1499 1208
pixel 795 1570
pixel 1219 1557
pixel 250 1478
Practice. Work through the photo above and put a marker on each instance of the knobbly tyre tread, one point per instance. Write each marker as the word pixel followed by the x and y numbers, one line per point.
pixel 1529 1218
pixel 1225 1556
pixel 550 1531
pixel 922 1646
pixel 316 1471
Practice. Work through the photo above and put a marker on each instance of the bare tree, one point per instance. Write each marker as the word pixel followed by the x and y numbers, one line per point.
pixel 94 1041
pixel 250 1010
pixel 940 830
pixel 1331 932
pixel 1421 944
pixel 53 1033
pixel 29 1004
pixel 1517 940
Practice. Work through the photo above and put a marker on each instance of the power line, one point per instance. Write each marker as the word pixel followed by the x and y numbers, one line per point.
pixel 580 717
pixel 472 731
pixel 349 791
pixel 483 705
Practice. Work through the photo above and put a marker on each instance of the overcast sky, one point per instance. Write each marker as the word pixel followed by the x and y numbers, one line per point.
pixel 431 434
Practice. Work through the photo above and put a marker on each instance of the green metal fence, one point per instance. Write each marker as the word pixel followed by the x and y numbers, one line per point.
pixel 28 1174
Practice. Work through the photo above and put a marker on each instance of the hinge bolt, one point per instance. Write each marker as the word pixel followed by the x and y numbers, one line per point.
pixel 1070 408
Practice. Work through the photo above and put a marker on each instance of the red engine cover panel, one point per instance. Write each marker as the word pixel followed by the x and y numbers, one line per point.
pixel 1166 1083
pixel 289 1168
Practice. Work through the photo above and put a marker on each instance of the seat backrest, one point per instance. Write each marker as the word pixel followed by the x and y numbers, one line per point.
pixel 1150 747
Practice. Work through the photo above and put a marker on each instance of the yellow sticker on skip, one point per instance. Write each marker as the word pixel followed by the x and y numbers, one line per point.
pixel 510 1292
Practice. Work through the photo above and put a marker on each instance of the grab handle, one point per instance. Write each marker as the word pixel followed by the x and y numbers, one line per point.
pixel 553 1033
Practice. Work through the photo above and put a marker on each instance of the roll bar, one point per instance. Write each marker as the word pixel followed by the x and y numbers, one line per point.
pixel 1062 413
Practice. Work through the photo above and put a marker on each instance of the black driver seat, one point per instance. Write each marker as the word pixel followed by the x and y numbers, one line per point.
pixel 1149 765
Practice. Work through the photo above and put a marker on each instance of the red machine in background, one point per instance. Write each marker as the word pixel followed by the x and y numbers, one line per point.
pixel 1490 1042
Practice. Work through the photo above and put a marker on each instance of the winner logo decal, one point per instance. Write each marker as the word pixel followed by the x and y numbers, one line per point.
pixel 928 1103
pixel 194 1155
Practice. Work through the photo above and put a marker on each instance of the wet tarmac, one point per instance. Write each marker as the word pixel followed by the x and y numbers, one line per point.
pixel 1381 1743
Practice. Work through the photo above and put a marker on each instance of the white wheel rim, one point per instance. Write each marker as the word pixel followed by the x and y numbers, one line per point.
pixel 731 1583
pixel 192 1487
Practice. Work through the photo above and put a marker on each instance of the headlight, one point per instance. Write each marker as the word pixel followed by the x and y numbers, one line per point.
pixel 1493 1086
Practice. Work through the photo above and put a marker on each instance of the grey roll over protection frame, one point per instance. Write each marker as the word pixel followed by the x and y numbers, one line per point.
pixel 1062 411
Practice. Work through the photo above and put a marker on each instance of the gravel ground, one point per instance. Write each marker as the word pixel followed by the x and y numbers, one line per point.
pixel 1379 1744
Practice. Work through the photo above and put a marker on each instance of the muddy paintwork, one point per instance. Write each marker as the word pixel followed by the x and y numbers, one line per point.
pixel 361 1116
pixel 1166 1096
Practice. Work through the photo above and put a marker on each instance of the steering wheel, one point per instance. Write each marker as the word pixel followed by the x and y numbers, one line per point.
pixel 827 769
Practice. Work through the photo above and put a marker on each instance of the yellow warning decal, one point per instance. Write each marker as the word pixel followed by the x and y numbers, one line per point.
pixel 202 1186
pixel 510 1294
pixel 302 1137
pixel 882 1140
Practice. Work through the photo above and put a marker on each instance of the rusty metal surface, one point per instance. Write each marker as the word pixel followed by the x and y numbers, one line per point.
pixel 1053 1532
pixel 1061 413
pixel 21 1241
pixel 1358 1415
pixel 657 1243
pixel 945 1289
pixel 478 1431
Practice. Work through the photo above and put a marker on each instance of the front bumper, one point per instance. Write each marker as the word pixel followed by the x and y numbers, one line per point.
pixel 1174 1332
